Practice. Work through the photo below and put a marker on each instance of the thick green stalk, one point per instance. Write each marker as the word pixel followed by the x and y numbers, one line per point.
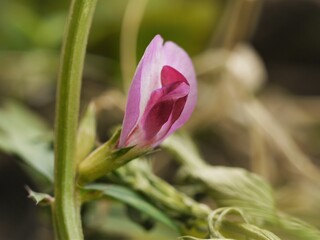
pixel 66 207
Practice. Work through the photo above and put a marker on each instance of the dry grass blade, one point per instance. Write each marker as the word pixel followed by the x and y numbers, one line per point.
pixel 259 116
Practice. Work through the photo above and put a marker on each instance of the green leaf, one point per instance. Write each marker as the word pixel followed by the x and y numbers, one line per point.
pixel 238 188
pixel 26 135
pixel 133 199
pixel 250 231
pixel 233 222
pixel 295 229
pixel 40 198
pixel 229 187
pixel 194 238
pixel 114 219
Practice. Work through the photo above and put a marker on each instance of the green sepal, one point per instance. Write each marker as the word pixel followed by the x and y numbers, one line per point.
pixel 107 158
pixel 118 153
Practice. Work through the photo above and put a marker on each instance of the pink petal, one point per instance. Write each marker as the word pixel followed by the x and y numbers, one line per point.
pixel 150 75
pixel 162 95
pixel 147 75
pixel 170 75
pixel 177 58
pixel 165 105
pixel 175 114
pixel 157 116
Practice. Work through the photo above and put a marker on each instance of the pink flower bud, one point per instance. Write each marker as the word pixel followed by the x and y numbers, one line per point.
pixel 162 95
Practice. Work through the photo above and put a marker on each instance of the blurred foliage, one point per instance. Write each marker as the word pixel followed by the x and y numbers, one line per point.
pixel 241 121
pixel 131 198
pixel 24 134
pixel 28 24
pixel 32 34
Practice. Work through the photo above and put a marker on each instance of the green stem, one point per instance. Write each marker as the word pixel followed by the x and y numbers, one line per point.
pixel 66 207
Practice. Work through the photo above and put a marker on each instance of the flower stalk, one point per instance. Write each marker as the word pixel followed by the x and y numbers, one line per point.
pixel 66 207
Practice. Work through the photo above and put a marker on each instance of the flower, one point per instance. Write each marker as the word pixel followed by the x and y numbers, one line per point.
pixel 162 95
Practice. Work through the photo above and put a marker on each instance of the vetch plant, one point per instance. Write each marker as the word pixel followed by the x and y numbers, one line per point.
pixel 161 99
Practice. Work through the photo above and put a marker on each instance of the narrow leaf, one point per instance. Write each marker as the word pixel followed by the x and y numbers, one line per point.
pixel 133 199
pixel 234 222
pixel 238 188
pixel 40 198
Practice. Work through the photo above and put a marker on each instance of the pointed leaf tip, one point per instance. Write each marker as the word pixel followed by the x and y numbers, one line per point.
pixel 39 198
